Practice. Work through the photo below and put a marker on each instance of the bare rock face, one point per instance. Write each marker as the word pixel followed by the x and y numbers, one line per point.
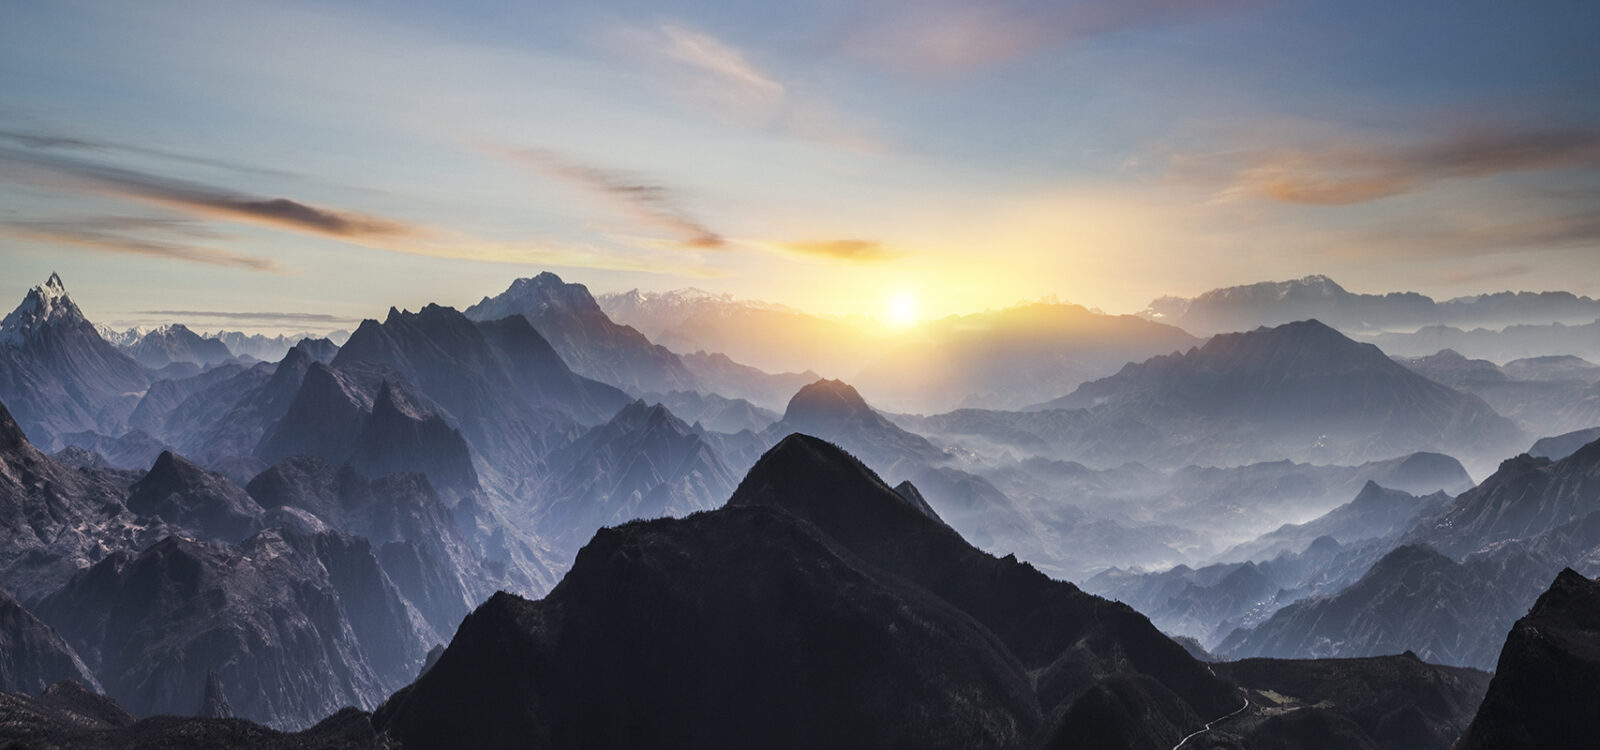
pixel 1546 687
pixel 294 625
pixel 190 497
pixel 32 654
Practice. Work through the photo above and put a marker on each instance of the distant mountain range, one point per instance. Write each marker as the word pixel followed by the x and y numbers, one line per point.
pixel 1301 391
pixel 1271 303
pixel 1010 358
pixel 772 337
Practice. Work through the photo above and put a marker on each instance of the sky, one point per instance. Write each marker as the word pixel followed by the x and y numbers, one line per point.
pixel 302 165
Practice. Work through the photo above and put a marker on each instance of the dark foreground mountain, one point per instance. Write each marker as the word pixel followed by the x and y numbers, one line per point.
pixel 1382 703
pixel 1546 688
pixel 66 716
pixel 817 608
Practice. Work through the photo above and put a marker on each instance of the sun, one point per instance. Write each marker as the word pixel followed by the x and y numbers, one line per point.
pixel 900 310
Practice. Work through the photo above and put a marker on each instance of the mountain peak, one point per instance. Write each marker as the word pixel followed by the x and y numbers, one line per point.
pixel 825 400
pixel 821 483
pixel 45 304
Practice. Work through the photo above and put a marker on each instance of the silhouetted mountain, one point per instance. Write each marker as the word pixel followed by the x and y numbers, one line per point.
pixel 57 375
pixel 772 337
pixel 1300 390
pixel 834 411
pixel 1526 497
pixel 190 497
pixel 1374 513
pixel 1384 702
pixel 1270 303
pixel 1542 405
pixel 273 348
pixel 1456 371
pixel 818 608
pixel 1561 446
pixel 1564 367
pixel 499 382
pixel 644 463
pixel 1413 599
pixel 714 412
pixel 398 437
pixel 1011 358
pixel 718 374
pixel 1546 685
pixel 176 343
pixel 1577 338
pixel 417 538
pixel 32 655
pixel 296 623
pixel 589 342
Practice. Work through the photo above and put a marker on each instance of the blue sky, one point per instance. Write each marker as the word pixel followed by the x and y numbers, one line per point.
pixel 339 158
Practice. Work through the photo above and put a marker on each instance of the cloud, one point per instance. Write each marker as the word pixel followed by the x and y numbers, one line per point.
pixel 289 318
pixel 1477 235
pixel 654 205
pixel 945 36
pixel 38 140
pixel 845 249
pixel 197 198
pixel 1360 175
pixel 719 80
pixel 99 238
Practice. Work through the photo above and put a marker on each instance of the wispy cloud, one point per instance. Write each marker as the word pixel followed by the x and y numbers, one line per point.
pixel 104 236
pixel 63 141
pixel 652 204
pixel 290 318
pixel 718 79
pixel 196 198
pixel 945 36
pixel 842 249
pixel 1363 174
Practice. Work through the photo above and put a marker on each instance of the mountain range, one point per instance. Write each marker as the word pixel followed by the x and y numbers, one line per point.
pixel 1272 303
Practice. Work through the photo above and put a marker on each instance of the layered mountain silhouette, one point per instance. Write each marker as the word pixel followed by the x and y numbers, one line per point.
pixel 588 341
pixel 1271 303
pixel 818 607
pixel 188 496
pixel 834 411
pixel 772 337
pixel 1542 400
pixel 168 344
pixel 1375 513
pixel 297 622
pixel 644 463
pixel 1547 681
pixel 1010 358
pixel 57 375
pixel 1412 599
pixel 1302 388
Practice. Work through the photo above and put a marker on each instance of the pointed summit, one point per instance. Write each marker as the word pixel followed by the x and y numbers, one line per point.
pixel 821 483
pixel 214 703
pixel 44 305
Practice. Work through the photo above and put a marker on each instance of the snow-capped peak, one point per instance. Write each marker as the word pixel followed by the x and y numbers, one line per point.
pixel 44 304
